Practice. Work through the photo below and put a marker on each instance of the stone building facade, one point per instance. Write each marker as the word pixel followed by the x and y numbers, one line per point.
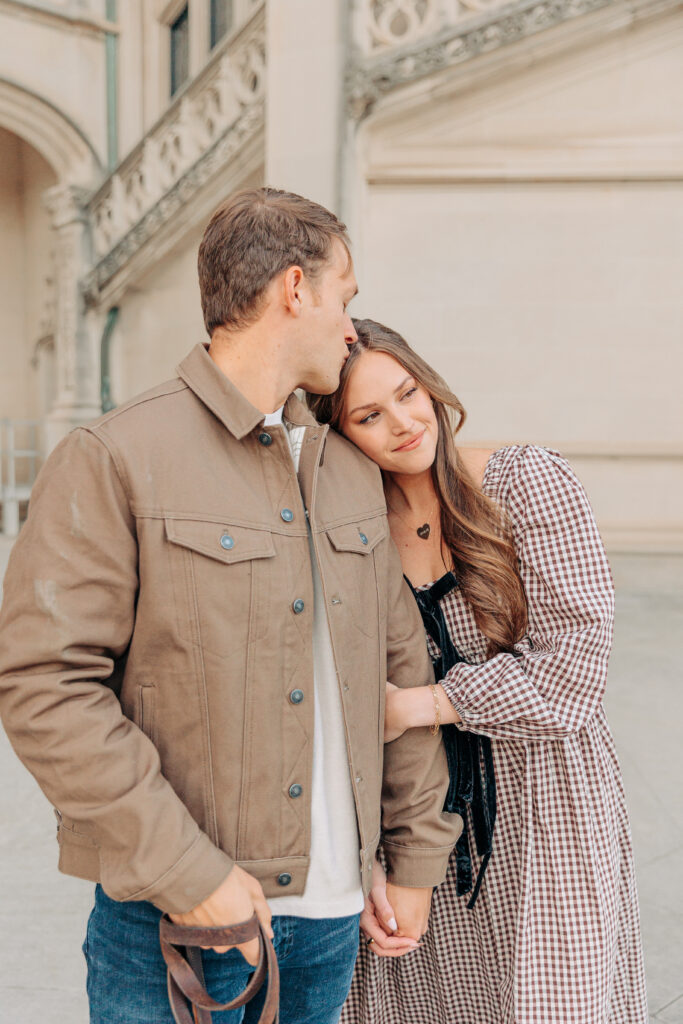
pixel 511 174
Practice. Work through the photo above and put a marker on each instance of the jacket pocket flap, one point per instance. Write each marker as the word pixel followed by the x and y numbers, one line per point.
pixel 223 542
pixel 359 537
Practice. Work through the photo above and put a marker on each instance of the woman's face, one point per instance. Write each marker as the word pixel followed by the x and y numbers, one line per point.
pixel 389 416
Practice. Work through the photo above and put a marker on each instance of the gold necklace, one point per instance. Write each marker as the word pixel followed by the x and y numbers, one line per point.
pixel 423 531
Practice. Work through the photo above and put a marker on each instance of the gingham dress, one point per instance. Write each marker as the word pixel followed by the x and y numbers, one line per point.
pixel 554 937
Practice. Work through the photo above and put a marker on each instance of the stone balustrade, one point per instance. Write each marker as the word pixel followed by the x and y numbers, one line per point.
pixel 381 25
pixel 400 41
pixel 220 102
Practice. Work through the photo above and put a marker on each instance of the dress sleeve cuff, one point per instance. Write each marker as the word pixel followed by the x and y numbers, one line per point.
pixel 449 687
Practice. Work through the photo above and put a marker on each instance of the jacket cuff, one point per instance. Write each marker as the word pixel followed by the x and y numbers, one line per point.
pixel 416 868
pixel 197 874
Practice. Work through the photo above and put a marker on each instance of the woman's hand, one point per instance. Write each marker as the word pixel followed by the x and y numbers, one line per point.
pixel 394 725
pixel 377 921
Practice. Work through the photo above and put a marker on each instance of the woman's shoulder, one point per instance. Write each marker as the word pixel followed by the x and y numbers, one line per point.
pixel 475 462
pixel 529 473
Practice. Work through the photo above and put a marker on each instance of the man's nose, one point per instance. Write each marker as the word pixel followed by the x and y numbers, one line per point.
pixel 350 335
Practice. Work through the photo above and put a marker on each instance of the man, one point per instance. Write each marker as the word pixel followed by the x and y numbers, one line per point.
pixel 200 615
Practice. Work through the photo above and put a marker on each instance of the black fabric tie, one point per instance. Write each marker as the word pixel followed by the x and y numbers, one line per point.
pixel 470 762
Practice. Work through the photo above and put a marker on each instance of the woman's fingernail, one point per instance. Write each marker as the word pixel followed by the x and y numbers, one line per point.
pixel 392 924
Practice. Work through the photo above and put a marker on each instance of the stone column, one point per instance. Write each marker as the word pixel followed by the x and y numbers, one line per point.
pixel 306 43
pixel 76 364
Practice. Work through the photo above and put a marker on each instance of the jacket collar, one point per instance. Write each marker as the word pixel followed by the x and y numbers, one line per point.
pixel 227 402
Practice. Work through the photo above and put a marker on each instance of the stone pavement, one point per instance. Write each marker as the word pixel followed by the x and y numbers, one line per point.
pixel 43 914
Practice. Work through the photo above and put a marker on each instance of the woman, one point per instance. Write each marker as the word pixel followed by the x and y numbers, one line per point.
pixel 506 563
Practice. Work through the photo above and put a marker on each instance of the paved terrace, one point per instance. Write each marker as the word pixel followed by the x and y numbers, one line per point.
pixel 43 913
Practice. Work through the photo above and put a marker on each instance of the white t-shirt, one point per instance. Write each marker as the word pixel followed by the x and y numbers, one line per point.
pixel 333 884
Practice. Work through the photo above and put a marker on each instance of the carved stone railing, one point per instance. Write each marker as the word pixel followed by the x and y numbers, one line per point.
pixel 384 24
pixel 208 123
pixel 400 41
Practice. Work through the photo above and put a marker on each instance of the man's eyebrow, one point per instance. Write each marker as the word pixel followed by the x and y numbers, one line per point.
pixel 360 408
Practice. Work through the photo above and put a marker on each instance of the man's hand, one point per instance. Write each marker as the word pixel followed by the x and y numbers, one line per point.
pixel 234 901
pixel 411 909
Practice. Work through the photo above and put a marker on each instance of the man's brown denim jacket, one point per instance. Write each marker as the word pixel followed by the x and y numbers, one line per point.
pixel 156 669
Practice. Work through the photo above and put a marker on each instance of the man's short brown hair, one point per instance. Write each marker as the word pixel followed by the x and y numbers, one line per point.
pixel 251 238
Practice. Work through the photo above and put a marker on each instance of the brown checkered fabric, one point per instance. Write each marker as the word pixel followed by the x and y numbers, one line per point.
pixel 554 937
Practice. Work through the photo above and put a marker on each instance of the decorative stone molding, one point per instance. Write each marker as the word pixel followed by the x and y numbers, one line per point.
pixel 48 315
pixel 77 388
pixel 401 41
pixel 385 24
pixel 219 112
pixel 47 129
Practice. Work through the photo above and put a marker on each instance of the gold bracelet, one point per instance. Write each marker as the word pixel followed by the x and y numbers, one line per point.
pixel 437 721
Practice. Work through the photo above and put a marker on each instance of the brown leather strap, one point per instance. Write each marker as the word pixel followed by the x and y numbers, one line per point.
pixel 185 974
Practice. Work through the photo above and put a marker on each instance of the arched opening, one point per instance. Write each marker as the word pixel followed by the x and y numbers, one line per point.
pixel 27 316
pixel 39 149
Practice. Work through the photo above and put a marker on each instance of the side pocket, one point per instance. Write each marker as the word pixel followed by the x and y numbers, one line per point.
pixel 146 715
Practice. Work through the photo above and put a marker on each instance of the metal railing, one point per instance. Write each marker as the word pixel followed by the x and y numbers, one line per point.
pixel 20 456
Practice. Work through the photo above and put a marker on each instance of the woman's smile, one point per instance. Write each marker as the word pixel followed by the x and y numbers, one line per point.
pixel 412 443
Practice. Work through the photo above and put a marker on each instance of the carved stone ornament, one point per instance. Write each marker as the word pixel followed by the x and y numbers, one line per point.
pixel 217 114
pixel 401 41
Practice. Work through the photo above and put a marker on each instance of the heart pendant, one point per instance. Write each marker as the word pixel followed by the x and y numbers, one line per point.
pixel 424 531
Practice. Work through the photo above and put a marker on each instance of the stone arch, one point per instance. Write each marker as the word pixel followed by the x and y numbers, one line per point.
pixel 52 133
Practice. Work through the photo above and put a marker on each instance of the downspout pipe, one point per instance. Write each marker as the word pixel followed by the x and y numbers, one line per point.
pixel 105 346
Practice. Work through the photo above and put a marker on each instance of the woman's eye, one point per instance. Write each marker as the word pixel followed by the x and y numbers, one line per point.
pixel 410 392
pixel 370 418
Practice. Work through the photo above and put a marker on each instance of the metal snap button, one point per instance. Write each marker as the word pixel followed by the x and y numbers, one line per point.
pixel 284 878
pixel 295 790
pixel 227 541
pixel 287 515
pixel 298 606
pixel 296 696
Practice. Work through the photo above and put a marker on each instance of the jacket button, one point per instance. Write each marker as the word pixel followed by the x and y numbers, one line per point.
pixel 284 878
pixel 287 515
pixel 227 542
pixel 298 606
pixel 295 790
pixel 265 439
pixel 363 538
pixel 296 696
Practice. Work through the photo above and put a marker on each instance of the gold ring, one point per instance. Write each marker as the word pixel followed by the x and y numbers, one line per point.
pixel 369 942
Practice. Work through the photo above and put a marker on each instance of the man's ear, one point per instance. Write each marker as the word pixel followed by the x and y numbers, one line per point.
pixel 293 289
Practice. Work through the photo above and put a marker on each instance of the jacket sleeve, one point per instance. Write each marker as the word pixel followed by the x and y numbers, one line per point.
pixel 417 835
pixel 555 680
pixel 67 616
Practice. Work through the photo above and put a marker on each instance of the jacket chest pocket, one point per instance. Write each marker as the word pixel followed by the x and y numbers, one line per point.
pixel 221 579
pixel 355 560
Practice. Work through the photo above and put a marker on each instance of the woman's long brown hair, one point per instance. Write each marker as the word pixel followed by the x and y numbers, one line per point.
pixel 473 528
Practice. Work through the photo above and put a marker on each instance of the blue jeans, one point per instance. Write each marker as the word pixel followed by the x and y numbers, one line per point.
pixel 127 974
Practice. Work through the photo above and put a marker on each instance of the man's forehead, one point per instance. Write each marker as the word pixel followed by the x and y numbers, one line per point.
pixel 342 260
